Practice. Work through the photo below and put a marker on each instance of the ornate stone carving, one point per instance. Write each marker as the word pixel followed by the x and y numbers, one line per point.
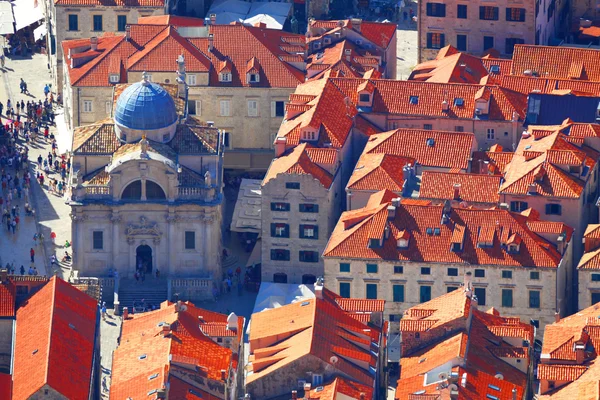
pixel 171 218
pixel 144 228
pixel 116 218
pixel 156 240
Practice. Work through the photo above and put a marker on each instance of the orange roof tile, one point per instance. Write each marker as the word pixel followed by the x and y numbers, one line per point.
pixel 340 386
pixel 473 187
pixel 298 162
pixel 174 20
pixel 429 148
pixel 560 372
pixel 450 67
pixel 378 172
pixel 55 342
pixel 351 241
pixel 378 33
pixel 436 355
pixel 8 293
pixel 527 84
pixel 538 59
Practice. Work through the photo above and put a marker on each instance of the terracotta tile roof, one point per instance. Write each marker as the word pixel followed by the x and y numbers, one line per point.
pixel 434 356
pixel 527 84
pixel 193 138
pixel 153 147
pixel 8 293
pixel 322 156
pixel 378 33
pixel 436 312
pixel 360 305
pixel 344 57
pixel 351 240
pixel 97 139
pixel 379 171
pixel 98 177
pixel 560 372
pixel 146 359
pixel 182 390
pixel 319 327
pixel 536 162
pixel 174 20
pixel 539 59
pixel 393 97
pixel 107 3
pixel 450 66
pixel 592 231
pixel 340 386
pixel 473 187
pixel 298 162
pixel 445 150
pixel 55 342
pixel 550 227
pixel 586 387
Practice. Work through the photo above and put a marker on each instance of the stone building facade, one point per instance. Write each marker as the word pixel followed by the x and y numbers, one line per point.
pixel 147 193
pixel 68 20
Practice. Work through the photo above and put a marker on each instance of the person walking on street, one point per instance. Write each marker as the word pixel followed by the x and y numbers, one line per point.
pixel 103 311
pixel 22 270
pixel 32 254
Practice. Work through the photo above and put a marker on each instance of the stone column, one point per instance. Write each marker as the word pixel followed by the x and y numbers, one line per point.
pixel 74 231
pixel 156 256
pixel 143 189
pixel 116 220
pixel 171 242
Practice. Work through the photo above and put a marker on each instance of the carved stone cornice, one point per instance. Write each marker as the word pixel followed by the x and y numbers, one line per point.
pixel 143 228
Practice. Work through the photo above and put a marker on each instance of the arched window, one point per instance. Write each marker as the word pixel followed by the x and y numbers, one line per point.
pixel 133 191
pixel 154 191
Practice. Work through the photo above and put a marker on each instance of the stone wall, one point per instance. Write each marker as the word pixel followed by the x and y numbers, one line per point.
pixel 191 289
pixel 6 338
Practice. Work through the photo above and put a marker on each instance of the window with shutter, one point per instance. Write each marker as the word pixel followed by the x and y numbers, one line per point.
pixel 252 108
pixel 225 112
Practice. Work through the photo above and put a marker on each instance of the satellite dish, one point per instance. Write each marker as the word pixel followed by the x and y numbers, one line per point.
pixel 443 376
pixel 333 359
pixel 499 376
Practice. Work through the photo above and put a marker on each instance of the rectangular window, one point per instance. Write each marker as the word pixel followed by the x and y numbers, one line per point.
pixel 510 44
pixel 461 11
pixel 225 108
pixel 459 128
pixel 428 127
pixel 225 77
pixel 398 269
pixel 450 289
pixel 507 298
pixel 436 10
pixel 309 208
pixel 73 22
pixel 490 133
pixel 364 98
pixel 121 22
pixel 309 232
pixel 280 206
pixel 488 13
pixel 190 240
pixel 280 230
pixel 534 299
pixel 515 14
pixel 292 185
pixel 277 109
pixel 425 271
pixel 308 256
pixel 595 297
pixel 506 274
pixel 461 42
pixel 480 294
pixel 191 80
pixel 87 106
pixel 435 40
pixel 97 23
pixel 345 289
pixel 480 273
pixel 595 277
pixel 371 291
pixel 191 107
pixel 518 206
pixel 226 140
pixel 280 255
pixel 398 293
pixel 553 209
pixel 252 108
pixel 108 107
pixel 488 42
pixel 98 240
pixel 344 267
pixel 534 275
pixel 424 293
pixel 452 271
pixel 371 268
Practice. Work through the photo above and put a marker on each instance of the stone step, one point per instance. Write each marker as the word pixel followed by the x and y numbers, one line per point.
pixel 127 298
pixel 230 261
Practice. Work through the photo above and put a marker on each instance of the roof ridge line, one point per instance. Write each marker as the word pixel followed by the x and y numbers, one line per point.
pixel 102 56
pixel 52 309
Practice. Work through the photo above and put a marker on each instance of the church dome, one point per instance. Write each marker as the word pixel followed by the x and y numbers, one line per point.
pixel 145 108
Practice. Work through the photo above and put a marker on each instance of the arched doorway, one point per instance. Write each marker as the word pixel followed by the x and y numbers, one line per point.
pixel 308 279
pixel 143 258
pixel 280 277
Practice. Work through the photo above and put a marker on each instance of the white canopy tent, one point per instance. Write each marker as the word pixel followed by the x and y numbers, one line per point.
pixel 274 295
pixel 7 18
pixel 246 214
pixel 272 14
pixel 271 21
pixel 40 31
pixel 27 12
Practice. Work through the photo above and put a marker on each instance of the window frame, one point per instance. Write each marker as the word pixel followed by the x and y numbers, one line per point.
pixel 478 271
pixel 423 289
pixel 535 277
pixel 553 209
pixel 398 269
pixel 344 267
pixel 532 304
pixel 489 13
pixel 302 207
pixel 87 103
pixel 119 23
pixel 349 288
pixel 189 237
pixel 506 291
pixel 252 111
pixel 479 302
pixel 459 13
pixel 515 14
pixel 400 295
pixel 225 108
pixel 303 256
pixel 371 268
pixel 286 253
pixel 436 40
pixel 292 185
pixel 452 271
pixel 466 39
pixel 275 204
pixel 425 271
pixel 304 227
pixel 517 206
pixel 76 22
pixel 95 19
pixel 507 274
pixel 367 295
pixel 437 10
pixel 96 239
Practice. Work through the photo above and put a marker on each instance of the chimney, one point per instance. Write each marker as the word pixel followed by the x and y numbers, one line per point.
pixel 319 288
pixel 178 306
pixel 557 317
pixel 356 24
pixel 223 375
pixel 532 189
pixel 294 395
pixel 560 243
pixel 125 312
pixel 514 393
pixel 467 283
pixel 456 188
pixel 396 202
pixel 461 69
pixel 213 19
pixel 280 143
pixel 445 105
pixel 391 213
pixel 128 32
pixel 94 43
pixel 161 394
pixel 362 396
pixel 181 84
pixel 166 329
pixel 3 275
pixel 348 54
pixel 211 41
pixel 307 387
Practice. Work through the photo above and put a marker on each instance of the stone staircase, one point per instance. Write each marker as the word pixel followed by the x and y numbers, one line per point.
pixel 152 291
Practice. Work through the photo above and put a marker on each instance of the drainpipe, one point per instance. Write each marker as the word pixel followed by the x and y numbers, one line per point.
pixel 78 109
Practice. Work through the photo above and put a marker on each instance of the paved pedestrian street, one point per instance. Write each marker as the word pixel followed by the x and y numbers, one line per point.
pixel 52 214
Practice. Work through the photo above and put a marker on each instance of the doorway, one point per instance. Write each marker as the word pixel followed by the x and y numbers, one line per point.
pixel 143 259
pixel 280 277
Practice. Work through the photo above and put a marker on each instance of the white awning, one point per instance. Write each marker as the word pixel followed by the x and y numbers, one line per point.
pixel 27 12
pixel 271 21
pixel 246 214
pixel 40 31
pixel 7 19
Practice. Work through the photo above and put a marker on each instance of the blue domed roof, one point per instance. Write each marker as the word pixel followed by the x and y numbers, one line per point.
pixel 145 106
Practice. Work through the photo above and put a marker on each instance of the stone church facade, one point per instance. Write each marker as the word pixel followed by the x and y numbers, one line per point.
pixel 147 188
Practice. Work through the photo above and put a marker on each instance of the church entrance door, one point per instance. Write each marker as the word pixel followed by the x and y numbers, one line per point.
pixel 143 259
